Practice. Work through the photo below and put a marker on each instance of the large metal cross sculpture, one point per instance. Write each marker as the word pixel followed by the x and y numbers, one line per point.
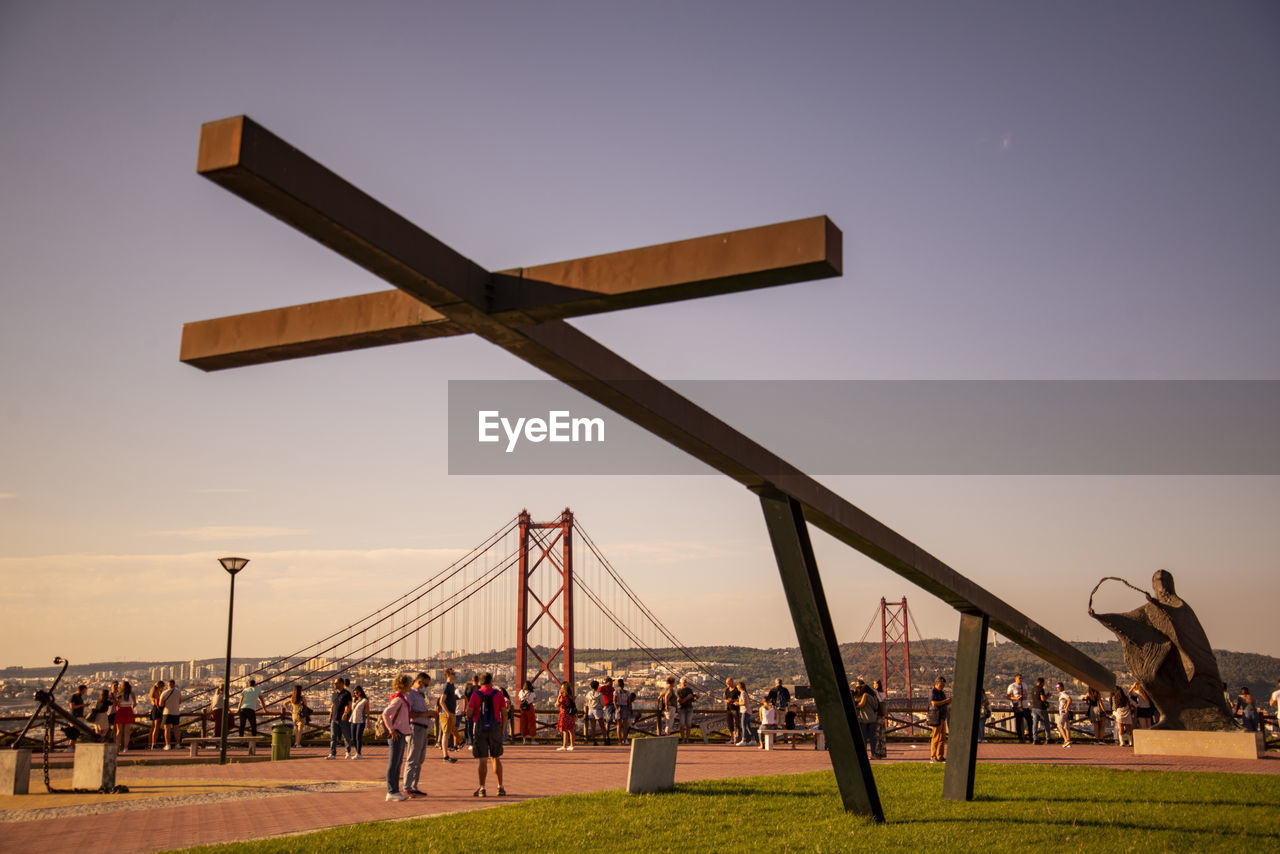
pixel 439 293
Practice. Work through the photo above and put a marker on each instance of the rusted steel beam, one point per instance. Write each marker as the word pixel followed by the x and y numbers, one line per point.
pixel 313 329
pixel 286 183
pixel 242 156
pixel 778 254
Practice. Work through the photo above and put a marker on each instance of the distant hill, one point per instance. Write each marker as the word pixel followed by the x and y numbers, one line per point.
pixel 929 658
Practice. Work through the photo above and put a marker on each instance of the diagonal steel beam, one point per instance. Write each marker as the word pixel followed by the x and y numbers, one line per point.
pixel 286 183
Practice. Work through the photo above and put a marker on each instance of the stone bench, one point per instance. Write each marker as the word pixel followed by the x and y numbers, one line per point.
pixel 768 735
pixel 250 741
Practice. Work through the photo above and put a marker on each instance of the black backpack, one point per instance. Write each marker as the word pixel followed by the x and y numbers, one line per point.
pixel 486 711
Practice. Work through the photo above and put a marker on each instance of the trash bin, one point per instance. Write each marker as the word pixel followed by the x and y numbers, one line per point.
pixel 281 738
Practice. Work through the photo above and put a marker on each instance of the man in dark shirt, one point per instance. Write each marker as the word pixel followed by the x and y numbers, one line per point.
pixel 448 705
pixel 340 718
pixel 1039 711
pixel 76 702
pixel 468 725
pixel 731 715
pixel 939 707
pixel 783 696
pixel 684 708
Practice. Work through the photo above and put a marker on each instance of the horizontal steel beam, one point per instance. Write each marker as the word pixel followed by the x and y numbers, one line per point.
pixel 244 157
pixel 288 184
pixel 313 329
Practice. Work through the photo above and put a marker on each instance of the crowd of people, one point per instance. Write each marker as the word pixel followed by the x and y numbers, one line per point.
pixel 113 713
pixel 482 716
pixel 1032 706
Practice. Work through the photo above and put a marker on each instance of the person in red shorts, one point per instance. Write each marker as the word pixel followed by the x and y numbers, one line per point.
pixel 124 717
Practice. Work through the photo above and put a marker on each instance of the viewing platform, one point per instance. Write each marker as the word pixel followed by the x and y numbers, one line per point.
pixel 186 802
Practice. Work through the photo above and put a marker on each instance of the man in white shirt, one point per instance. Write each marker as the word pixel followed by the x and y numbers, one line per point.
pixel 1275 706
pixel 416 749
pixel 1017 694
pixel 171 702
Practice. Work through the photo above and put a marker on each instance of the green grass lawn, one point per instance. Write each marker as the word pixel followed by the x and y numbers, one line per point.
pixel 1018 808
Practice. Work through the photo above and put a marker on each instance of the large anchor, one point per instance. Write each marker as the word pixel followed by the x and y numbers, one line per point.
pixel 46 705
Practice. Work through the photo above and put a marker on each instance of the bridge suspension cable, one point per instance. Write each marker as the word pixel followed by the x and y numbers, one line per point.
pixel 471 605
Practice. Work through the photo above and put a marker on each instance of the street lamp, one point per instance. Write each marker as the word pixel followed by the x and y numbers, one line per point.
pixel 232 565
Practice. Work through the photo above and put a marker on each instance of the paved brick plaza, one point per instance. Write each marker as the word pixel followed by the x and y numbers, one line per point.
pixel 194 803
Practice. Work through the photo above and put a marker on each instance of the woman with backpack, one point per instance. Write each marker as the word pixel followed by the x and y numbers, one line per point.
pixel 395 717
pixel 297 708
pixel 567 720
pixel 528 714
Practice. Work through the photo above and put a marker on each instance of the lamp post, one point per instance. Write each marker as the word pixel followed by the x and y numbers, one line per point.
pixel 232 565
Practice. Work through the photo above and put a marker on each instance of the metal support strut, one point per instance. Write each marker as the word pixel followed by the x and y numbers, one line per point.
pixel 966 703
pixel 803 587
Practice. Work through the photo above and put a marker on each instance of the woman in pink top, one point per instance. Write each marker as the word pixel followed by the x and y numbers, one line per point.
pixel 396 718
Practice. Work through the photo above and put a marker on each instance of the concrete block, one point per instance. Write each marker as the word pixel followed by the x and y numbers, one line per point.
pixel 1217 745
pixel 15 771
pixel 653 765
pixel 95 766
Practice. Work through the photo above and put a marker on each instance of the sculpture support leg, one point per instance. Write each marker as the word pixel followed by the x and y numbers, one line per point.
pixel 966 703
pixel 808 604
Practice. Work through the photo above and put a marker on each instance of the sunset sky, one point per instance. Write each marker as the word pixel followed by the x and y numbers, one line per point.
pixel 1026 191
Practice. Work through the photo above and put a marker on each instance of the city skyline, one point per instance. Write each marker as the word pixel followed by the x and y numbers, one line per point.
pixel 1025 193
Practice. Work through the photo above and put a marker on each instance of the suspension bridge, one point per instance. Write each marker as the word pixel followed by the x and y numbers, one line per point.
pixel 528 598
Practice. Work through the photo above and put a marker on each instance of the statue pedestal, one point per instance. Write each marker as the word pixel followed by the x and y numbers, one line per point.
pixel 1217 745
pixel 653 765
pixel 15 771
pixel 94 767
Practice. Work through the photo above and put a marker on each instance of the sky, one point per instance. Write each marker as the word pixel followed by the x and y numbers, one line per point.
pixel 1026 191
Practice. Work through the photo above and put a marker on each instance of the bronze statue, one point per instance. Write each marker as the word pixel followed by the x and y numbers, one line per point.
pixel 1168 652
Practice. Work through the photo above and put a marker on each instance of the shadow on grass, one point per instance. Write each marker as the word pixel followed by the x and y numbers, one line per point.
pixel 1031 798
pixel 1215 833
pixel 738 788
